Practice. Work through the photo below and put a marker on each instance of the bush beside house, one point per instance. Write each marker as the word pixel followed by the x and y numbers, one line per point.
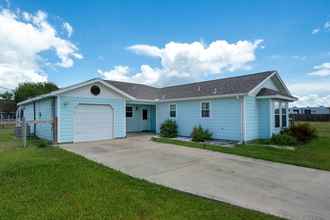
pixel 169 129
pixel 297 134
pixel 200 135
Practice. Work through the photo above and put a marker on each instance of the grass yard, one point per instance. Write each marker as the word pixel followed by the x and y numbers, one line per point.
pixel 315 154
pixel 50 183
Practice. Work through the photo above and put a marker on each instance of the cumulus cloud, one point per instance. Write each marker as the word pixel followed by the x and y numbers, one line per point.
pixel 146 75
pixel 311 93
pixel 68 28
pixel 321 70
pixel 186 62
pixel 23 39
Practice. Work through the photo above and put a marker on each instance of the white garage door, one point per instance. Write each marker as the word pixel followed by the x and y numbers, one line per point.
pixel 93 122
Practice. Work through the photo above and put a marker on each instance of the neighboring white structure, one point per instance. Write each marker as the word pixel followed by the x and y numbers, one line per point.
pixel 310 110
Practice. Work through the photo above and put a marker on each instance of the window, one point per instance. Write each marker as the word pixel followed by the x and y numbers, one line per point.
pixel 284 115
pixel 129 111
pixel 277 114
pixel 308 112
pixel 205 109
pixel 144 114
pixel 173 110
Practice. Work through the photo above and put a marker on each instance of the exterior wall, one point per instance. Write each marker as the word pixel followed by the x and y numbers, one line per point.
pixel 67 108
pixel 264 120
pixel 44 112
pixel 224 123
pixel 135 123
pixel 251 117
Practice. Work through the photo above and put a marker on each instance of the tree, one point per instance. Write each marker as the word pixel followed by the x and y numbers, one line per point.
pixel 7 96
pixel 29 90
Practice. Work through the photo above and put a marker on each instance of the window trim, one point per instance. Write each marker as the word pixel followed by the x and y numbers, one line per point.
pixel 281 105
pixel 201 109
pixel 169 110
pixel 126 111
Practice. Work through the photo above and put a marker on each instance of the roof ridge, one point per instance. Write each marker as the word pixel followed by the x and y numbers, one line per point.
pixel 233 77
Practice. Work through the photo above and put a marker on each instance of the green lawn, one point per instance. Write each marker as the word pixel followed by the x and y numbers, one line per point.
pixel 315 154
pixel 50 183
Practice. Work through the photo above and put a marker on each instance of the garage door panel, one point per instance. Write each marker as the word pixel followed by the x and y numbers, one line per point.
pixel 93 122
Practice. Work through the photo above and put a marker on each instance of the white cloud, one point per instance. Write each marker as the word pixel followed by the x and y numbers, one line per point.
pixel 186 62
pixel 302 58
pixel 327 25
pixel 311 93
pixel 68 28
pixel 146 75
pixel 321 70
pixel 316 30
pixel 313 100
pixel 23 39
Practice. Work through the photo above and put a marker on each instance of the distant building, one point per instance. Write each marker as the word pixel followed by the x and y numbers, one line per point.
pixel 7 110
pixel 310 110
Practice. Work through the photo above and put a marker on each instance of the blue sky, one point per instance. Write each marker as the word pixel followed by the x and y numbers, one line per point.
pixel 105 31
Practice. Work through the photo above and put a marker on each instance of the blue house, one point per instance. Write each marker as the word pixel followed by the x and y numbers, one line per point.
pixel 239 108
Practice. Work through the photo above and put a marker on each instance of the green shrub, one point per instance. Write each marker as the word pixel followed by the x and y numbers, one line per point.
pixel 200 135
pixel 42 144
pixel 283 139
pixel 302 132
pixel 169 129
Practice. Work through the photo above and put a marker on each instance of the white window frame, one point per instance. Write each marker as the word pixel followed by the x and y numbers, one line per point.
pixel 201 109
pixel 126 111
pixel 169 112
pixel 281 105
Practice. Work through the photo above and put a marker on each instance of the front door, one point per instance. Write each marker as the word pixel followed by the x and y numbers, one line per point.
pixel 145 120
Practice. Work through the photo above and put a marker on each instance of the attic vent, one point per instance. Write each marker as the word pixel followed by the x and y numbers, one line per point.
pixel 215 91
pixel 198 88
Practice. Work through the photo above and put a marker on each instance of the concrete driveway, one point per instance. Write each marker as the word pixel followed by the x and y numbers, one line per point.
pixel 283 190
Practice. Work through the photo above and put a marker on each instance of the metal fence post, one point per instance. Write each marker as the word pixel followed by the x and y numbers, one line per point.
pixel 24 127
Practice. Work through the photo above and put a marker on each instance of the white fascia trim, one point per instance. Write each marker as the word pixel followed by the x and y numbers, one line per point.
pixel 69 88
pixel 262 83
pixel 277 97
pixel 279 78
pixel 202 97
pixel 117 90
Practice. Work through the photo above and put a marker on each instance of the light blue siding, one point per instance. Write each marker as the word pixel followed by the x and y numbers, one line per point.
pixel 44 112
pixel 264 118
pixel 29 115
pixel 224 123
pixel 67 109
pixel 251 117
pixel 136 124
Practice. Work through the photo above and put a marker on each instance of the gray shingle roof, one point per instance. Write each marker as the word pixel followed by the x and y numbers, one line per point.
pixel 271 92
pixel 226 86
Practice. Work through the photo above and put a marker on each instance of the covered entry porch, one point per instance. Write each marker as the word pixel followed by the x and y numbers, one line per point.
pixel 140 117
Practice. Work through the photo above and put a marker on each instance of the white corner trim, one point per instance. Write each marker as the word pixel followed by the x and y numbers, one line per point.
pixel 58 104
pixel 243 119
pixel 261 83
